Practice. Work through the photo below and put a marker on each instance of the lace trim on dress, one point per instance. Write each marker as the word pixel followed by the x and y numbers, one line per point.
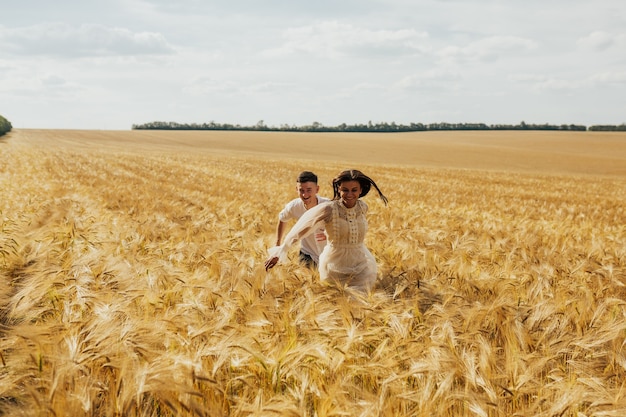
pixel 350 215
pixel 335 222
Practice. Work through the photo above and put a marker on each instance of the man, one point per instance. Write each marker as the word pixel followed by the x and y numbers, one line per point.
pixel 311 246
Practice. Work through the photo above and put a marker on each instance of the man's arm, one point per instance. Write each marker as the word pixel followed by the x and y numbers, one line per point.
pixel 280 230
pixel 273 260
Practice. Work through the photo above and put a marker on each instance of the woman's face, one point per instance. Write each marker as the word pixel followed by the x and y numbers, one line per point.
pixel 349 192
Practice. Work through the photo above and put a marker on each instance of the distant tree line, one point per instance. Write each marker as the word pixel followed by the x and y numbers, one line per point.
pixel 5 126
pixel 372 127
pixel 609 128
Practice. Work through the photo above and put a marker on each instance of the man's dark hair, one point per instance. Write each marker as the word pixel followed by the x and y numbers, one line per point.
pixel 307 176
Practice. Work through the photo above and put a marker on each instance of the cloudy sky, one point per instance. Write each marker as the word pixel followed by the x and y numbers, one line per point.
pixel 94 64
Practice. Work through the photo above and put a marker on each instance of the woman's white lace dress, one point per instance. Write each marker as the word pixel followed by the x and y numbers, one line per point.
pixel 345 258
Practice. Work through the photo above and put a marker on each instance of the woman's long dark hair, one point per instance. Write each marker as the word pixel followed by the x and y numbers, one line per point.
pixel 356 175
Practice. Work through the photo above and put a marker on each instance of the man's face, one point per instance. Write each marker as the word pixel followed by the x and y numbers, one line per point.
pixel 307 191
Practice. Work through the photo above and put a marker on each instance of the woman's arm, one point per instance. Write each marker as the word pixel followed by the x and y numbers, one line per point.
pixel 306 225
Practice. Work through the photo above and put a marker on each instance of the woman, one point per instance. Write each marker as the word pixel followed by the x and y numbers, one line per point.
pixel 345 259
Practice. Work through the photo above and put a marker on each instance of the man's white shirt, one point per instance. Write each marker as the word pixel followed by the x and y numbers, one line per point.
pixel 294 210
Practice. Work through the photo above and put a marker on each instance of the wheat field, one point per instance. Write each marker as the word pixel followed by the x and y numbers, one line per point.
pixel 132 279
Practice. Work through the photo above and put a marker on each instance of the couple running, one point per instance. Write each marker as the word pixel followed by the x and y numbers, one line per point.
pixel 331 231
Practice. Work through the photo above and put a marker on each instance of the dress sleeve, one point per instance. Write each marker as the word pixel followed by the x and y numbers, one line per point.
pixel 310 221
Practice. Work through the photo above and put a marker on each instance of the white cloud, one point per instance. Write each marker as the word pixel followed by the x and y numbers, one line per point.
pixel 271 87
pixel 52 80
pixel 206 86
pixel 85 40
pixel 598 40
pixel 333 39
pixel 556 84
pixel 526 78
pixel 543 82
pixel 489 48
pixel 436 79
pixel 610 78
pixel 363 89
